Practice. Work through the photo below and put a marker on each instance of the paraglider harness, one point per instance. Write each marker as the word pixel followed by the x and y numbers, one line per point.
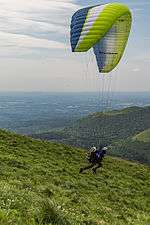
pixel 97 156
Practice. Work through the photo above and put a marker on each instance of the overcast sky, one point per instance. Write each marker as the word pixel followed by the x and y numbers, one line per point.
pixel 35 52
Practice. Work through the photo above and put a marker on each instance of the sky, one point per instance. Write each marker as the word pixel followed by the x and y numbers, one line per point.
pixel 35 53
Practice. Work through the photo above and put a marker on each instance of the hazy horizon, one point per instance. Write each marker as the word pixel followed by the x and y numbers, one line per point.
pixel 29 112
pixel 49 92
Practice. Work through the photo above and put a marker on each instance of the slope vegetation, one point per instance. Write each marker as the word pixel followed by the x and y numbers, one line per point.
pixel 105 127
pixel 132 149
pixel 143 136
pixel 116 127
pixel 40 185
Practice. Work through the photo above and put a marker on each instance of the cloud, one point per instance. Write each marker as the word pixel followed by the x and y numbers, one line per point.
pixel 136 70
pixel 28 24
pixel 32 29
pixel 14 42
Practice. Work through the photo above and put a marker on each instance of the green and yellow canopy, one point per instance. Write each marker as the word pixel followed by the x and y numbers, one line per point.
pixel 106 28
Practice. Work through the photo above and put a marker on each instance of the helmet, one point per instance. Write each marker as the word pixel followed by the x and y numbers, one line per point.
pixel 93 149
pixel 105 148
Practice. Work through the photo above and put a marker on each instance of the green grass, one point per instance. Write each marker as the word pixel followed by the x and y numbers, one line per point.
pixel 40 185
pixel 143 136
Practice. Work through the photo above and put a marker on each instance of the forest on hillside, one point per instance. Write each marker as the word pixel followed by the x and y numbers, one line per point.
pixel 116 128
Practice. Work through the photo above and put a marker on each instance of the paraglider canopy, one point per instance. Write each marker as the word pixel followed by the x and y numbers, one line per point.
pixel 105 28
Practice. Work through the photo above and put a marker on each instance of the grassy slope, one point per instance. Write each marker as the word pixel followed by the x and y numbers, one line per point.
pixel 40 184
pixel 143 136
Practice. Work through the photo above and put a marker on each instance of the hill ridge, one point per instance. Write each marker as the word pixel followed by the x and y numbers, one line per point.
pixel 108 128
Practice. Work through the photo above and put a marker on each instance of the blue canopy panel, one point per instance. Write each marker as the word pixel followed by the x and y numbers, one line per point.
pixel 77 23
pixel 99 50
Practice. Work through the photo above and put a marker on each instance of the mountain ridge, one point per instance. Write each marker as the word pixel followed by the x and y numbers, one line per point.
pixel 108 128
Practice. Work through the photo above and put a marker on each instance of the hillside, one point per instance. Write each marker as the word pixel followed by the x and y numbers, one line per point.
pixel 143 136
pixel 117 126
pixel 132 149
pixel 40 185
pixel 103 127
